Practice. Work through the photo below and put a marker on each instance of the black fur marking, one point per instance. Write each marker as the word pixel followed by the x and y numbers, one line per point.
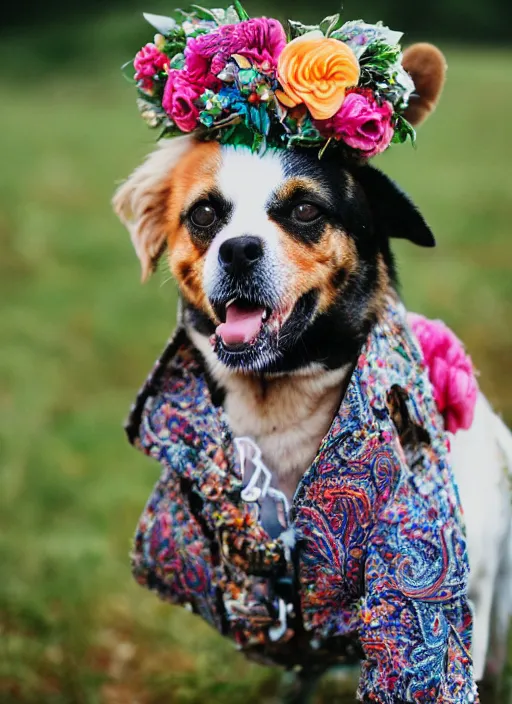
pixel 204 326
pixel 281 212
pixel 339 278
pixel 198 320
pixel 394 214
pixel 223 208
pixel 333 180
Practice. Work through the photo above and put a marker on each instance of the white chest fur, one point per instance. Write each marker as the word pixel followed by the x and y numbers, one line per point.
pixel 287 416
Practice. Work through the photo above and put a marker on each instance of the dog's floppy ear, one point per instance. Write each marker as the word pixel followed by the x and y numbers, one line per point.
pixel 394 214
pixel 140 202
pixel 426 65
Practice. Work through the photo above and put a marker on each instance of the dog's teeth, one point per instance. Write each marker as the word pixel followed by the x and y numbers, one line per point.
pixel 230 303
pixel 264 317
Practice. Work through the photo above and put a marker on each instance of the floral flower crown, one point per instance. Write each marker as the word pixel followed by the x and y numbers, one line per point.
pixel 245 81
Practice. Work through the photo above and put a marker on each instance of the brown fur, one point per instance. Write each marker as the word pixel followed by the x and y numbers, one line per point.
pixel 321 266
pixel 194 174
pixel 141 200
pixel 426 65
pixel 378 301
pixel 300 183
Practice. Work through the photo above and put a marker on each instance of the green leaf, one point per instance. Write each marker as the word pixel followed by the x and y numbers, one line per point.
pixel 259 143
pixel 240 11
pixel 176 45
pixel 302 140
pixel 203 13
pixel 380 57
pixel 260 118
pixel 155 100
pixel 403 131
pixel 238 134
pixel 169 132
pixel 227 134
pixel 128 72
pixel 322 150
pixel 329 24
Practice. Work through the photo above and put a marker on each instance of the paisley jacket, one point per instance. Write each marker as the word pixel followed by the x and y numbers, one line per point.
pixel 373 563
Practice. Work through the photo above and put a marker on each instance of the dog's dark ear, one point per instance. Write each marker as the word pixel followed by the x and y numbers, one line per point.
pixel 394 214
pixel 426 65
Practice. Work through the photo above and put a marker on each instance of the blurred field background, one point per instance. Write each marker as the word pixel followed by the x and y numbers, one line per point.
pixel 78 335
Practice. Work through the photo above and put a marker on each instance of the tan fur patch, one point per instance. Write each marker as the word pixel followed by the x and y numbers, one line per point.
pixel 382 290
pixel 140 201
pixel 195 174
pixel 323 266
pixel 292 185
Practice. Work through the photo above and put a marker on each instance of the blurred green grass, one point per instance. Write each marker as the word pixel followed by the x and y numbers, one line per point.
pixel 79 335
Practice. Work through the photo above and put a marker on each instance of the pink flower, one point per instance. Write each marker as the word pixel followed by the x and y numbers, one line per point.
pixel 450 371
pixel 147 63
pixel 180 98
pixel 361 123
pixel 261 40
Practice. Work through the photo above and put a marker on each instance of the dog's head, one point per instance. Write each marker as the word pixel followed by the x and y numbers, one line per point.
pixel 282 260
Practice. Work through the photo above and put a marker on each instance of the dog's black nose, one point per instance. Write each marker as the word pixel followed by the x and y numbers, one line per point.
pixel 239 254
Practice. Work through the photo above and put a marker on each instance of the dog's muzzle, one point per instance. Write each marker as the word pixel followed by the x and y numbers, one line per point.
pixel 239 255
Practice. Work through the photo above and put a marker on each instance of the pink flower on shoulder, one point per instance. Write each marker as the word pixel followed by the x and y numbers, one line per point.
pixel 260 40
pixel 450 370
pixel 147 63
pixel 361 123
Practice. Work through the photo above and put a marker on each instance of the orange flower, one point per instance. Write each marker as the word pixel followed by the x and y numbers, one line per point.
pixel 316 71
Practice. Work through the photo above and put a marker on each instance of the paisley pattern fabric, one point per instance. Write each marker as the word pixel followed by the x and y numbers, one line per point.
pixel 374 564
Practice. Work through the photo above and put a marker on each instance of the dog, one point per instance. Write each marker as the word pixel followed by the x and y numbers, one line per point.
pixel 283 262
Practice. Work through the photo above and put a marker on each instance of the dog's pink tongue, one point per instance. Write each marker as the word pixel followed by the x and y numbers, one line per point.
pixel 242 325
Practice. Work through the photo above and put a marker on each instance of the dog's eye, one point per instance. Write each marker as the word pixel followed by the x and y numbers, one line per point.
pixel 203 215
pixel 306 212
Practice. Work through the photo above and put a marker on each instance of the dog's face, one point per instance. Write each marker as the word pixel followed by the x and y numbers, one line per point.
pixel 282 260
pixel 266 249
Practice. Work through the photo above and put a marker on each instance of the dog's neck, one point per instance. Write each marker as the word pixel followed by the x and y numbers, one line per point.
pixel 287 415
